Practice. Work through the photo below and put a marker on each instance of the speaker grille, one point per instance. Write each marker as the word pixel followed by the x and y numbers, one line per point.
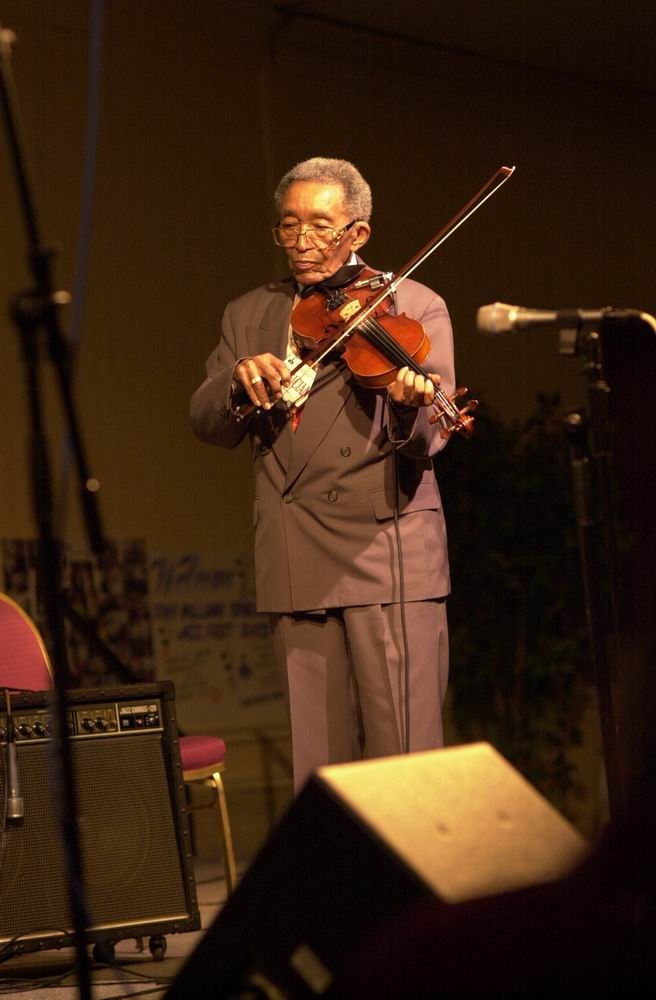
pixel 128 838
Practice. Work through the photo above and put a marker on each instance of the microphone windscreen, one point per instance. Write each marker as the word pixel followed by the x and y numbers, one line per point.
pixel 495 318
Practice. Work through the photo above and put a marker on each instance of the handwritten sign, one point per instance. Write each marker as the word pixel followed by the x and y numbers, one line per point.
pixel 211 643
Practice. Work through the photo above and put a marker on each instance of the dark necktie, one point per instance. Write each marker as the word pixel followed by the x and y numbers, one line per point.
pixel 344 276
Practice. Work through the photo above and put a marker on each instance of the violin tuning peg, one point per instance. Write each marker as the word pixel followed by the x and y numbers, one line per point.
pixel 461 391
pixel 465 424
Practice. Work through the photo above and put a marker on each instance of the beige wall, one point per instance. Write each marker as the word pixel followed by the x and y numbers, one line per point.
pixel 176 170
pixel 202 109
pixel 204 105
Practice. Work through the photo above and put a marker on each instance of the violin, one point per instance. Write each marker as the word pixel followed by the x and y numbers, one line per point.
pixel 374 344
pixel 378 346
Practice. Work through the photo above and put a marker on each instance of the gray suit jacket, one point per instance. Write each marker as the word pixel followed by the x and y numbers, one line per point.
pixel 325 494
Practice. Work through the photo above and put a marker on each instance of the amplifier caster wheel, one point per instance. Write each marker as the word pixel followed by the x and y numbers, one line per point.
pixel 157 946
pixel 104 952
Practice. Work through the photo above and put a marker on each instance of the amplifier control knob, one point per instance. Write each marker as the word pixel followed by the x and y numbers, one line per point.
pixel 39 729
pixel 87 724
pixel 25 730
pixel 101 723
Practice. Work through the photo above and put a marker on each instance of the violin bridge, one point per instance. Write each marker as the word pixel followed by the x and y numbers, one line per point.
pixel 350 309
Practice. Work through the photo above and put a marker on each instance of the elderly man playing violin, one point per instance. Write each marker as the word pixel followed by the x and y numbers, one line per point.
pixel 350 541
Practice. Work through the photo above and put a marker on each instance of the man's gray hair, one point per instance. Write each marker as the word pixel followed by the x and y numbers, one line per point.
pixel 357 193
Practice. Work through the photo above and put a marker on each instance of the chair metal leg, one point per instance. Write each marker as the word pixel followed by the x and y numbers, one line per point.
pixel 225 833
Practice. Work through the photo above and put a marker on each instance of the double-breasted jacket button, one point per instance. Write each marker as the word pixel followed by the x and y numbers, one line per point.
pixel 345 451
pixel 332 496
pixel 288 498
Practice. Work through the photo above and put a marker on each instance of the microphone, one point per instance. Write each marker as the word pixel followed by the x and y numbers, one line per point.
pixel 500 317
pixel 15 804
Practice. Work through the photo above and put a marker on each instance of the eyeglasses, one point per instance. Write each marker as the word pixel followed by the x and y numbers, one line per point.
pixel 287 234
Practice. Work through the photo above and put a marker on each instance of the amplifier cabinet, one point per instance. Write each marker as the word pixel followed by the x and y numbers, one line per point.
pixel 132 818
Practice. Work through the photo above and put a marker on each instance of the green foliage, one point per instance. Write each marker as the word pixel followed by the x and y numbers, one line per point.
pixel 516 621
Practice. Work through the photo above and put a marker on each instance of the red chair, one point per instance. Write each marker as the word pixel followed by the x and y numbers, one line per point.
pixel 24 659
pixel 24 664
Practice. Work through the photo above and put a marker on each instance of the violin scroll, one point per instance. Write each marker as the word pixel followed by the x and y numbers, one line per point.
pixel 454 419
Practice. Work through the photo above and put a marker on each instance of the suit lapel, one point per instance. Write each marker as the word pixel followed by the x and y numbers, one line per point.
pixel 294 449
pixel 319 414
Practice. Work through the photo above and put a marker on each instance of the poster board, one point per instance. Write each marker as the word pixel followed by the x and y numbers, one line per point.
pixel 186 617
pixel 211 643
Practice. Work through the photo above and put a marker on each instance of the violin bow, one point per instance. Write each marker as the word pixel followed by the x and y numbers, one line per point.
pixel 302 379
pixel 497 180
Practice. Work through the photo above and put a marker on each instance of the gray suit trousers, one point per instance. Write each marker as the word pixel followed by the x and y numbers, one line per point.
pixel 344 680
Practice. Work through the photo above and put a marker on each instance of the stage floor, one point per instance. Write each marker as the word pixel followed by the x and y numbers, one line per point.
pixel 50 975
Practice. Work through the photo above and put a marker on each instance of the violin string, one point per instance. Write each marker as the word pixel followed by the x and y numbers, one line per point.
pixel 352 326
pixel 378 335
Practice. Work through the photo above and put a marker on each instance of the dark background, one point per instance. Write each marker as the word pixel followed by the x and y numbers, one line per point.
pixel 205 103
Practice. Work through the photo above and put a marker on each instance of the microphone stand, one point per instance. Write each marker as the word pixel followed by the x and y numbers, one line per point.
pixel 588 437
pixel 35 314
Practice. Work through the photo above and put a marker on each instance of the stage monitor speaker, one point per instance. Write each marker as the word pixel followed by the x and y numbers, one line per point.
pixel 132 819
pixel 363 844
